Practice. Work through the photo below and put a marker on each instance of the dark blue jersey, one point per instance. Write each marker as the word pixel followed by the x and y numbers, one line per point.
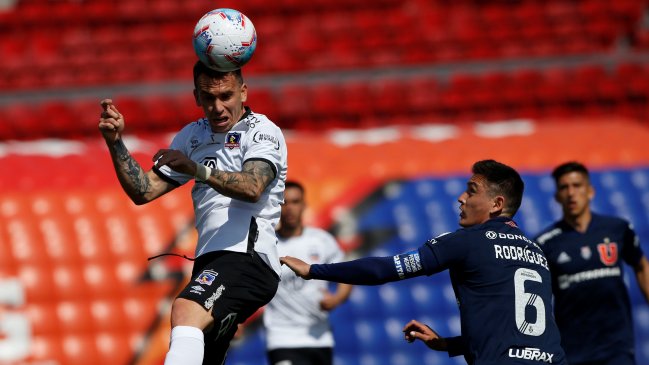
pixel 503 288
pixel 501 282
pixel 592 306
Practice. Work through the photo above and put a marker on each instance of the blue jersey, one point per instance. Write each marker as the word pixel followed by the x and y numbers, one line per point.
pixel 592 306
pixel 503 288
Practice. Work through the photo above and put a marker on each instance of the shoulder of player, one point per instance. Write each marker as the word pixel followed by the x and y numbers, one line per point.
pixel 548 234
pixel 319 233
pixel 253 121
pixel 196 126
pixel 609 220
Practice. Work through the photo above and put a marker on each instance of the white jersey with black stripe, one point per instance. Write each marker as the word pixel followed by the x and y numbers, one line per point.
pixel 225 223
pixel 293 318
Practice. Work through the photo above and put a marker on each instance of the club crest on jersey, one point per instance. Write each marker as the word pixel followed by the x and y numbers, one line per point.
pixel 233 140
pixel 194 143
pixel 206 277
pixel 586 253
pixel 607 252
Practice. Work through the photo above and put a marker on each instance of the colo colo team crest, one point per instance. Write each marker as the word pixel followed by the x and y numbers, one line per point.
pixel 233 140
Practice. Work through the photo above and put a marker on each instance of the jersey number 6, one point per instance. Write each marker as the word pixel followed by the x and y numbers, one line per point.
pixel 523 300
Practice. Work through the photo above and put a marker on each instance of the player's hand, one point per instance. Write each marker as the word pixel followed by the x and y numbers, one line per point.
pixel 176 161
pixel 416 330
pixel 298 266
pixel 329 301
pixel 111 122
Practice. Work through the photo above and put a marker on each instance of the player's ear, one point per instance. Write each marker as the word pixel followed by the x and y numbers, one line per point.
pixel 198 103
pixel 591 192
pixel 498 204
pixel 244 92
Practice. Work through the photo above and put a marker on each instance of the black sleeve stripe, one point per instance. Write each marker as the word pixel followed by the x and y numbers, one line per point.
pixel 272 165
pixel 165 177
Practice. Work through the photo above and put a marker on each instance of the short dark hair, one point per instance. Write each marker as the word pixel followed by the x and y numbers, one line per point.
pixel 201 69
pixel 568 167
pixel 503 180
pixel 294 184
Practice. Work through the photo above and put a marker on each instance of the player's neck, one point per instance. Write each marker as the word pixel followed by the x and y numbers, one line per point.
pixel 287 232
pixel 580 222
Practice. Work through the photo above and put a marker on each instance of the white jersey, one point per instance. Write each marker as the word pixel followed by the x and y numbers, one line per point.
pixel 224 223
pixel 293 318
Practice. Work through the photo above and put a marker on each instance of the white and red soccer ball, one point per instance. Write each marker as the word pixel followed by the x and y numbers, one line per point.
pixel 224 39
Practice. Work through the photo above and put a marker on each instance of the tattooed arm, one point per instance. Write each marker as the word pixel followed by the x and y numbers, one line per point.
pixel 247 185
pixel 140 186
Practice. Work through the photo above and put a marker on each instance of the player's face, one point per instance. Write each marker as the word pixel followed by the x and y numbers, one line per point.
pixel 292 208
pixel 574 193
pixel 476 203
pixel 221 99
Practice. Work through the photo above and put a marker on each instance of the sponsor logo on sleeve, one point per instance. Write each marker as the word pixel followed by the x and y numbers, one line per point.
pixel 260 137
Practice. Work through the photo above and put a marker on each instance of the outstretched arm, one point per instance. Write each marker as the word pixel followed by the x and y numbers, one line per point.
pixel 364 271
pixel 140 186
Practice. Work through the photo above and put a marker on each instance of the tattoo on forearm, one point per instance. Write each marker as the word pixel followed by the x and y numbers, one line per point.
pixel 256 175
pixel 138 179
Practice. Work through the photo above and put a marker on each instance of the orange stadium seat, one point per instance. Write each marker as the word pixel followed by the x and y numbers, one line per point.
pixel 80 350
pixel 75 317
pixel 114 348
pixel 108 315
pixel 43 318
pixel 47 348
pixel 69 283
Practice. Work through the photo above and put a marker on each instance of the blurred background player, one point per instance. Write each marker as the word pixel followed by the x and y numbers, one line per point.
pixel 585 251
pixel 500 277
pixel 297 318
pixel 239 161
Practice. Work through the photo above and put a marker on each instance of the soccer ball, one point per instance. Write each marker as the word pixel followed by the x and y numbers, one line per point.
pixel 224 39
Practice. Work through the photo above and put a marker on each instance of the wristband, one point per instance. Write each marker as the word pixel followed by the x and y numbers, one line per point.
pixel 202 172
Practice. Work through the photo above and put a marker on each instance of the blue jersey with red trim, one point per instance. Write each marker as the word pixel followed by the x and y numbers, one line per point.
pixel 592 306
pixel 503 288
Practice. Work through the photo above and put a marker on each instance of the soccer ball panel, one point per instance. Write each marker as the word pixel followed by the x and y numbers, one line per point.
pixel 224 39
